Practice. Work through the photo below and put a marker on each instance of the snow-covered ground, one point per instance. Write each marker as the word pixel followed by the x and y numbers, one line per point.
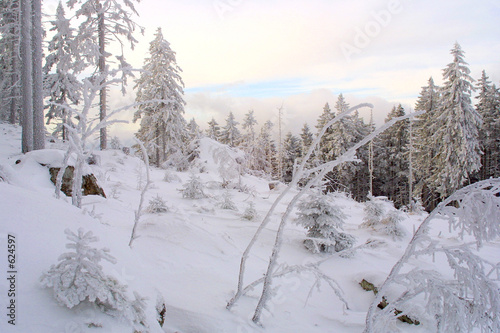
pixel 189 256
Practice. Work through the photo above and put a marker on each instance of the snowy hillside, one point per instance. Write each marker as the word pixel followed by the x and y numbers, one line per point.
pixel 188 256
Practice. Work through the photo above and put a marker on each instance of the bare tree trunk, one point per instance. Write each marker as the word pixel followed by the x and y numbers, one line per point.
pixel 157 148
pixel 26 77
pixel 102 68
pixel 13 102
pixel 38 124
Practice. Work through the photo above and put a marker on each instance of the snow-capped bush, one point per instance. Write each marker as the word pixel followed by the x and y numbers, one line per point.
pixel 78 277
pixel 374 211
pixel 193 189
pixel 170 177
pixel 386 220
pixel 227 202
pixel 157 205
pixel 323 219
pixel 391 224
pixel 250 212
pixel 161 310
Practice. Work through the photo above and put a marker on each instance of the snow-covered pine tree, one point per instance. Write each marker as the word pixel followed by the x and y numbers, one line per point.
pixel 79 277
pixel 9 60
pixel 323 220
pixel 62 66
pixel 105 21
pixel 457 125
pixel 230 134
pixel 488 106
pixel 292 152
pixel 213 130
pixel 391 160
pixel 425 149
pixel 159 92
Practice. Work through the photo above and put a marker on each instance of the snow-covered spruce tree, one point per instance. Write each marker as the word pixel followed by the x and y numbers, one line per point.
pixel 306 137
pixel 324 151
pixel 323 220
pixel 193 189
pixel 62 66
pixel 488 106
pixel 250 212
pixel 292 152
pixel 213 130
pixel 343 135
pixel 157 205
pixel 457 124
pixel 248 125
pixel 105 21
pixel 160 90
pixel 391 160
pixel 78 277
pixel 265 152
pixel 230 134
pixel 227 202
pixel 425 149
pixel 193 131
pixel 361 182
pixel 374 211
pixel 9 61
pixel 248 139
pixel 462 297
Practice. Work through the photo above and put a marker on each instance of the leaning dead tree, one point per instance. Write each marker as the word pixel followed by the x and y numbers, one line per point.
pixel 301 173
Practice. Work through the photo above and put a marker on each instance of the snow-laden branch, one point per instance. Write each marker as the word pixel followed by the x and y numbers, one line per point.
pixel 470 299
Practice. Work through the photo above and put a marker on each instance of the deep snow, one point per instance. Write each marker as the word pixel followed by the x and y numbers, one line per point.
pixel 189 255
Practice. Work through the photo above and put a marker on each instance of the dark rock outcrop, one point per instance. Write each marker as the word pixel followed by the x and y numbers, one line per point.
pixel 89 182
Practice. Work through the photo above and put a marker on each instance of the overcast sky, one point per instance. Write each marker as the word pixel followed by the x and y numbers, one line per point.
pixel 238 55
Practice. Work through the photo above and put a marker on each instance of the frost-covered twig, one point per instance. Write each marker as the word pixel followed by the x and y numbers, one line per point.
pixel 138 212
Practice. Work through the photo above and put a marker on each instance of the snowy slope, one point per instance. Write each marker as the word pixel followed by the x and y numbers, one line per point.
pixel 189 255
